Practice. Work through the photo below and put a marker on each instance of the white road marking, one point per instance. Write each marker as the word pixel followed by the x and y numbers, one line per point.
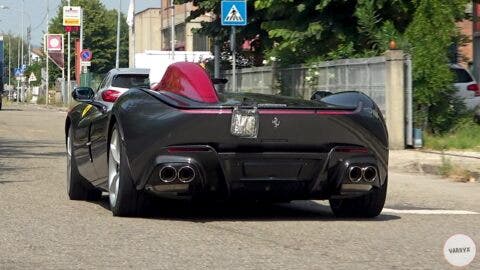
pixel 428 212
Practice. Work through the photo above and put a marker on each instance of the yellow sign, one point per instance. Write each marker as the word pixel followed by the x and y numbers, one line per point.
pixel 85 111
pixel 72 16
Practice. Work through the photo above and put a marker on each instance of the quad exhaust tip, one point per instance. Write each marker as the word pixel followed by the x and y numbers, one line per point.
pixel 168 174
pixel 369 173
pixel 186 174
pixel 354 174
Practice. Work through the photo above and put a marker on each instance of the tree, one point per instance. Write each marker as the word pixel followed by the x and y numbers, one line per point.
pixel 221 34
pixel 430 35
pixel 310 31
pixel 12 44
pixel 296 31
pixel 99 34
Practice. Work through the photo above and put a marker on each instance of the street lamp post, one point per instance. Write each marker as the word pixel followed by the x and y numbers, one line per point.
pixel 23 40
pixel 117 58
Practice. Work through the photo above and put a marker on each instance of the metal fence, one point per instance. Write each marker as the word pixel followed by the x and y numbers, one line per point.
pixel 364 74
pixel 368 75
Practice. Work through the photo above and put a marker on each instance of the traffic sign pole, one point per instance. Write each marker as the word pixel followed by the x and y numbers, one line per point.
pixel 234 13
pixel 234 59
pixel 81 30
pixel 46 59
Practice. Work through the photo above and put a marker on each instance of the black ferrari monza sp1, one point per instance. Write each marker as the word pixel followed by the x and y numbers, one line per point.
pixel 184 138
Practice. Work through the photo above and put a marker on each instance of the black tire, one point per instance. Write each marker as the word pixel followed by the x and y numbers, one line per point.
pixel 366 206
pixel 78 188
pixel 130 202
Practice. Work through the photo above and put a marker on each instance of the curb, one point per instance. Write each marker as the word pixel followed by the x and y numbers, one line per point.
pixel 461 166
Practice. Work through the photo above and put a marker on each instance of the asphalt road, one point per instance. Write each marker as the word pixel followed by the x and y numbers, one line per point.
pixel 41 229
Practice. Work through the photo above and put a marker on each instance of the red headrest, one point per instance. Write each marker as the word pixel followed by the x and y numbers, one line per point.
pixel 189 80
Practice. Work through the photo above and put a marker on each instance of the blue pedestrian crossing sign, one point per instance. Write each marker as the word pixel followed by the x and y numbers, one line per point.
pixel 18 72
pixel 234 13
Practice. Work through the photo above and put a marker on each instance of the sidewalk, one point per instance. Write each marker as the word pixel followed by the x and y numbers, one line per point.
pixel 437 162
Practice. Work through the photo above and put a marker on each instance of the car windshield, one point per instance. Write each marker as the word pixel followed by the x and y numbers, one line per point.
pixel 131 80
pixel 461 75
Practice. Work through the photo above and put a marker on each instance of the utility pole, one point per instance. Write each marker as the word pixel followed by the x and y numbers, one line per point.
pixel 216 60
pixel 69 86
pixel 81 29
pixel 47 79
pixel 23 39
pixel 9 60
pixel 131 34
pixel 117 59
pixel 29 35
pixel 18 65
pixel 172 29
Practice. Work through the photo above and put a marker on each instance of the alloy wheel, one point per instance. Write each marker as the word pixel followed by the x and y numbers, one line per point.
pixel 114 168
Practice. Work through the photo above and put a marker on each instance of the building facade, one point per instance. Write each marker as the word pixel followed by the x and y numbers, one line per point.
pixel 475 34
pixel 153 29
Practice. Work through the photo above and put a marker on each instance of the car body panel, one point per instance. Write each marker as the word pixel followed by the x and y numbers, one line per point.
pixel 302 149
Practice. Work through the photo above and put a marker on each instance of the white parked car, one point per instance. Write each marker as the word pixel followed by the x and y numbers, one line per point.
pixel 118 81
pixel 467 87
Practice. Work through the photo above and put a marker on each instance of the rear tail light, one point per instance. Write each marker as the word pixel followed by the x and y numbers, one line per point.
pixel 110 95
pixel 473 87
pixel 347 149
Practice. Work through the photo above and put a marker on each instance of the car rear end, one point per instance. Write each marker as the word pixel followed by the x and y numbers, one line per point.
pixel 268 150
pixel 467 87
pixel 121 81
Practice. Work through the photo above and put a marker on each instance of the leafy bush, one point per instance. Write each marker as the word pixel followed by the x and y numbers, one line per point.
pixel 430 35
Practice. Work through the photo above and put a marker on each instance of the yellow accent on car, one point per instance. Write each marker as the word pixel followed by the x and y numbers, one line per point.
pixel 85 111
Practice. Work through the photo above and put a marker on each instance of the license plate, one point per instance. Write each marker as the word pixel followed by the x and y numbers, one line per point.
pixel 244 123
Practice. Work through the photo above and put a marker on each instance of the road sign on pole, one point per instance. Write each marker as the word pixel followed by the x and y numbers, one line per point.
pixel 71 16
pixel 86 55
pixel 32 77
pixel 54 43
pixel 234 13
pixel 17 72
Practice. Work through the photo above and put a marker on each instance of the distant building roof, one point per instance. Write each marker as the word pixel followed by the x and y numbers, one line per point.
pixel 38 51
pixel 147 9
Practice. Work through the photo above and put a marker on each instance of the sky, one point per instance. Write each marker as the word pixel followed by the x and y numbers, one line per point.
pixel 36 10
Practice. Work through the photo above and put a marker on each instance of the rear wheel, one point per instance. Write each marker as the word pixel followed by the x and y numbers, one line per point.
pixel 78 187
pixel 125 199
pixel 366 206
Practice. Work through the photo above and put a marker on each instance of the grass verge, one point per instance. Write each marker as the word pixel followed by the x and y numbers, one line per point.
pixel 465 135
pixel 455 172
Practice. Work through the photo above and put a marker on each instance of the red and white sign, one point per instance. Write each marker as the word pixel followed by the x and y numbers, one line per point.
pixel 54 42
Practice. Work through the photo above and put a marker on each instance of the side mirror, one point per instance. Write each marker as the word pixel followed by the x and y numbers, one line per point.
pixel 83 94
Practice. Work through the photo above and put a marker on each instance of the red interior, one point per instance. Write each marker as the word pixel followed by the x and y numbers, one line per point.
pixel 189 80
